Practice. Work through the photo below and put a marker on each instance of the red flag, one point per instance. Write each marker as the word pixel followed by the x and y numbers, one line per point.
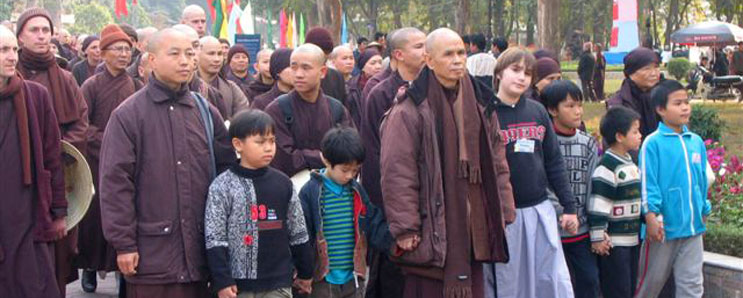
pixel 120 8
pixel 134 2
pixel 212 10
pixel 614 37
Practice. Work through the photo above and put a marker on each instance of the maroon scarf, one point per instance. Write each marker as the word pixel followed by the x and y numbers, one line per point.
pixel 63 95
pixel 462 138
pixel 14 90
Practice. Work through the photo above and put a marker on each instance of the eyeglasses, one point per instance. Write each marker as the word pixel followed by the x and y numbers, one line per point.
pixel 120 49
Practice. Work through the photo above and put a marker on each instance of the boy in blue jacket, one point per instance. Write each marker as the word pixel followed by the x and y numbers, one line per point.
pixel 673 163
pixel 333 202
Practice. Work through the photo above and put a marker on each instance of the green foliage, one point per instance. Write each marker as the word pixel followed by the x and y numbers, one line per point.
pixel 679 67
pixel 90 18
pixel 706 122
pixel 6 7
pixel 724 239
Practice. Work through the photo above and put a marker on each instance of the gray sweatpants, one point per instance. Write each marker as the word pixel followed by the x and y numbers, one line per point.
pixel 684 257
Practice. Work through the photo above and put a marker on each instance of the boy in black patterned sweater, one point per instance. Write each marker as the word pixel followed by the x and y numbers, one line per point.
pixel 254 225
pixel 564 102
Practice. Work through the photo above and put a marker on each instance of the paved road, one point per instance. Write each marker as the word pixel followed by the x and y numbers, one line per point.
pixel 107 288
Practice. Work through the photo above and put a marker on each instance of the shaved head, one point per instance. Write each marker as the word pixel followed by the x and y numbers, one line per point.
pixel 440 34
pixel 158 39
pixel 264 54
pixel 191 32
pixel 399 38
pixel 195 17
pixel 6 34
pixel 339 50
pixel 313 51
pixel 8 55
pixel 209 40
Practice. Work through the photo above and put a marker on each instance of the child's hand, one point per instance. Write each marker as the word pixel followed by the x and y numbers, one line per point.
pixel 601 248
pixel 655 230
pixel 228 292
pixel 569 223
pixel 303 285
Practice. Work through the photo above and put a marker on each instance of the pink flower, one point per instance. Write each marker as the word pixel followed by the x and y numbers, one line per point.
pixel 708 142
pixel 735 189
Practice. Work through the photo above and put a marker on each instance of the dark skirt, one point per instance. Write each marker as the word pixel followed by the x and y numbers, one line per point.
pixel 422 287
pixel 176 290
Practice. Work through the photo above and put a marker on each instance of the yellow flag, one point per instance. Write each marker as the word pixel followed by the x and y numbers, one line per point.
pixel 290 33
pixel 225 22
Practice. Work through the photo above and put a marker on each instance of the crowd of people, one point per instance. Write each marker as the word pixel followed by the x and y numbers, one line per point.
pixel 438 167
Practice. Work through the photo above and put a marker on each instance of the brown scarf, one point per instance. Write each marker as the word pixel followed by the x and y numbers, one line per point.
pixel 14 89
pixel 65 104
pixel 462 138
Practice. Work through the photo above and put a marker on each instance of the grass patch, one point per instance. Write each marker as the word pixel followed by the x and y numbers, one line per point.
pixel 732 113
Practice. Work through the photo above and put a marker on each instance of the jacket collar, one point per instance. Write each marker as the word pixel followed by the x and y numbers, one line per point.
pixel 667 131
pixel 160 93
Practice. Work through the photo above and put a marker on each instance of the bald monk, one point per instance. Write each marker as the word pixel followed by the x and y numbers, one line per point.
pixel 103 92
pixel 143 37
pixel 342 59
pixel 195 17
pixel 196 84
pixel 263 80
pixel 313 114
pixel 211 57
pixel 37 63
pixel 157 161
pixel 437 132
pixel 32 205
pixel 406 47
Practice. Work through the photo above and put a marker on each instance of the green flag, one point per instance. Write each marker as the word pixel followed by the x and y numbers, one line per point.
pixel 301 30
pixel 219 19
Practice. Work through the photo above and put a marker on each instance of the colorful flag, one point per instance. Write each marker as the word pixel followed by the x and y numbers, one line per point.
pixel 219 19
pixel 301 29
pixel 344 33
pixel 212 10
pixel 233 26
pixel 295 31
pixel 225 19
pixel 282 27
pixel 290 32
pixel 247 20
pixel 120 8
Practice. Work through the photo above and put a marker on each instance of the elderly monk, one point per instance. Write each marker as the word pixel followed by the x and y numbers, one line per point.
pixel 343 61
pixel 283 78
pixel 32 205
pixel 103 92
pixel 85 69
pixel 451 222
pixel 313 114
pixel 237 67
pixel 37 63
pixel 161 149
pixel 210 64
pixel 406 47
pixel 195 17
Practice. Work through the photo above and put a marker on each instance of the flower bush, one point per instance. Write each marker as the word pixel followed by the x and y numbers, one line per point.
pixel 725 224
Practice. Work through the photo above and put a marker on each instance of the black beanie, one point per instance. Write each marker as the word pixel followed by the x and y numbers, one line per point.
pixel 366 56
pixel 88 40
pixel 238 48
pixel 280 60
pixel 638 58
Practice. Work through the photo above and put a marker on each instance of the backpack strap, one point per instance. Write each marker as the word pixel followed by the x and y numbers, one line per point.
pixel 206 117
pixel 336 110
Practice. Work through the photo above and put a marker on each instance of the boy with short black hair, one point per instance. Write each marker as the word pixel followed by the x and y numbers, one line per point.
pixel 564 102
pixel 255 229
pixel 614 205
pixel 673 162
pixel 333 202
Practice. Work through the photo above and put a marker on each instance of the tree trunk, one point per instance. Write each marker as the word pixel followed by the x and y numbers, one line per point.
pixel 499 7
pixel 462 16
pixel 548 25
pixel 513 19
pixel 530 15
pixel 432 16
pixel 671 20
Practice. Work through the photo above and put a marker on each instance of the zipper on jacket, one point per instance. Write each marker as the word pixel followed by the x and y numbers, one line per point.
pixel 688 177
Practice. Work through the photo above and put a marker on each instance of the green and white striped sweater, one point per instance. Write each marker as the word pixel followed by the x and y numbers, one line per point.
pixel 615 201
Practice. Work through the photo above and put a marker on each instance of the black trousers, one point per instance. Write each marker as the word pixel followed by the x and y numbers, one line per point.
pixel 584 271
pixel 619 271
pixel 385 277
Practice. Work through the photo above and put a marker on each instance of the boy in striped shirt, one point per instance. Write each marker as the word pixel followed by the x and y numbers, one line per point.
pixel 614 204
pixel 333 201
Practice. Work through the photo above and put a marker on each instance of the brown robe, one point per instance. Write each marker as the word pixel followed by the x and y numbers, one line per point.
pixel 233 99
pixel 103 93
pixel 299 148
pixel 262 101
pixel 26 258
pixel 75 133
pixel 155 172
pixel 257 87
